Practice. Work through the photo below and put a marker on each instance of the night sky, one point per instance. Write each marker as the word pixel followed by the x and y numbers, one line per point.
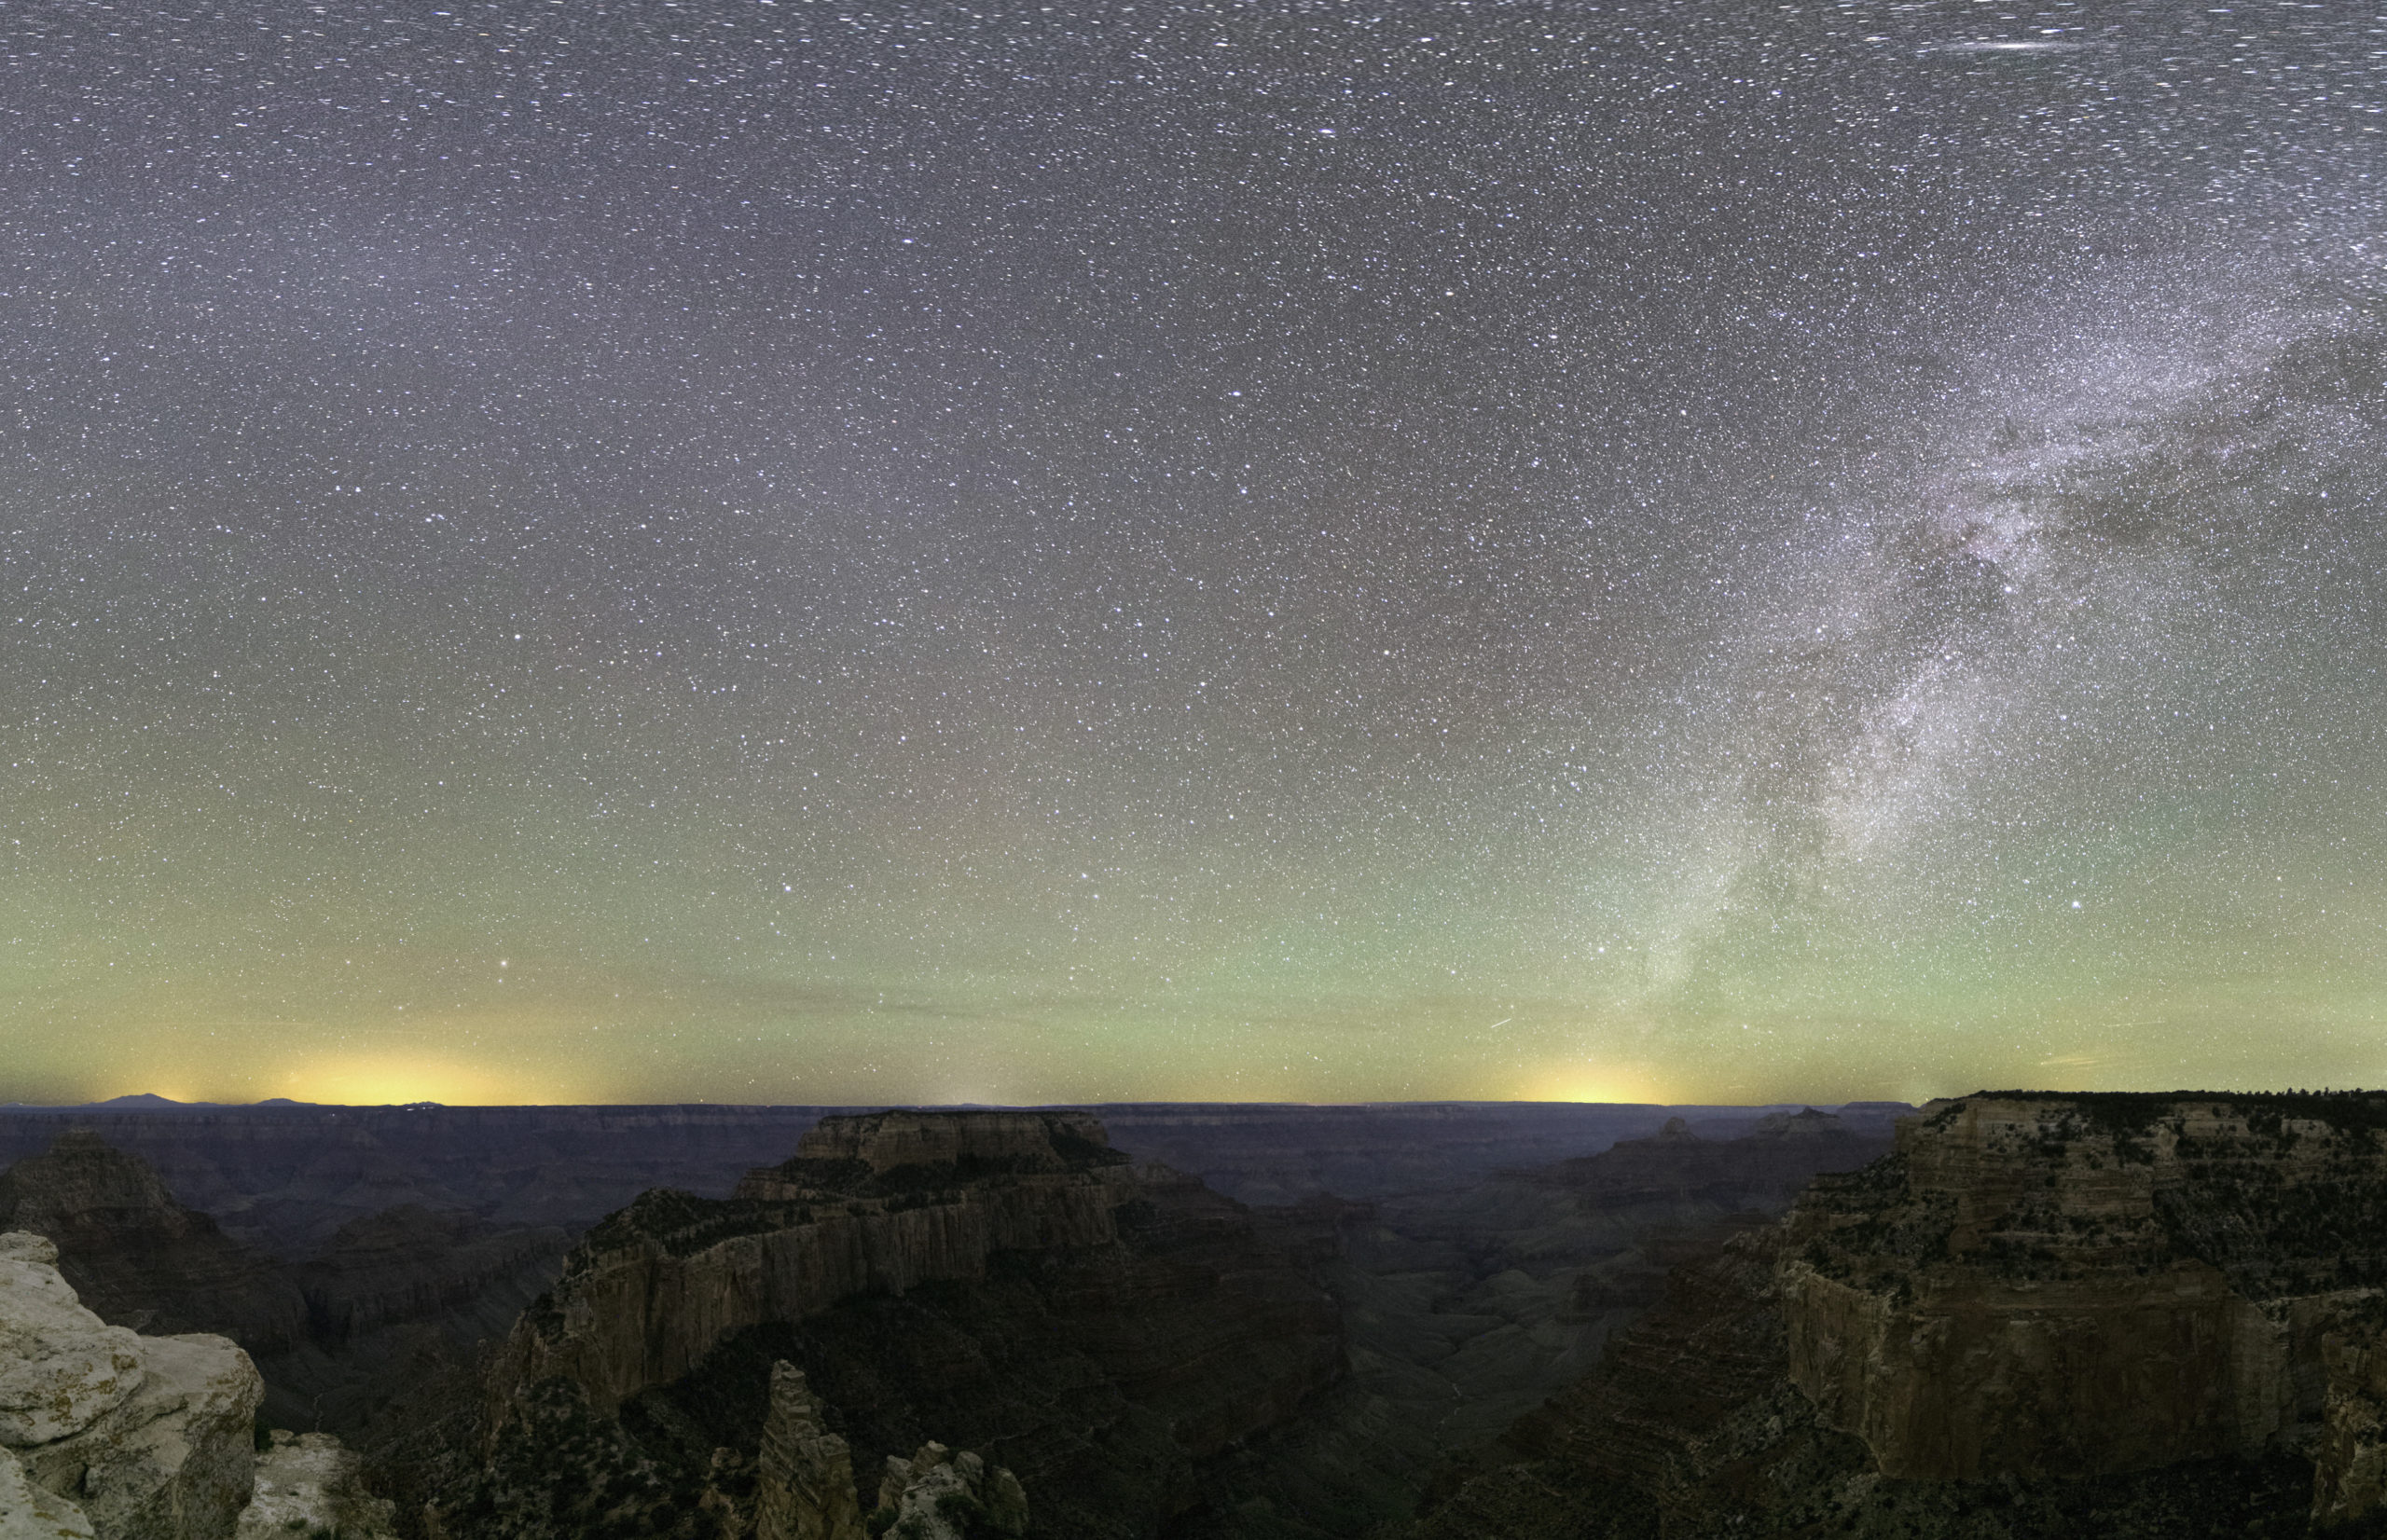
pixel 823 552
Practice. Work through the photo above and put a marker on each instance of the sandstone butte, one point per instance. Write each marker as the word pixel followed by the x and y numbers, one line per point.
pixel 1152 1295
pixel 2091 1285
pixel 879 1203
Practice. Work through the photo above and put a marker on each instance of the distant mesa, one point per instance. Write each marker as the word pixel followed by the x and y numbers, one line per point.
pixel 1006 1281
pixel 146 1100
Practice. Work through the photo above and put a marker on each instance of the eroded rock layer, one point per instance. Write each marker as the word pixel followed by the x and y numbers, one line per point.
pixel 1005 1284
pixel 2089 1286
pixel 2154 1316
pixel 881 1204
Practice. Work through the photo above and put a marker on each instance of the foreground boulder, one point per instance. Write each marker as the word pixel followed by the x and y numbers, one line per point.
pixel 139 1437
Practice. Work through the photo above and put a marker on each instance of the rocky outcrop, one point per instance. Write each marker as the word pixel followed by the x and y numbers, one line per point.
pixel 1005 1283
pixel 2153 1316
pixel 337 1336
pixel 138 1258
pixel 940 1495
pixel 149 1438
pixel 877 1203
pixel 310 1484
pixel 805 1490
pixel 2082 1286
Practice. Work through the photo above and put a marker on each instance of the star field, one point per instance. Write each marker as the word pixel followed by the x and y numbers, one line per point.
pixel 788 551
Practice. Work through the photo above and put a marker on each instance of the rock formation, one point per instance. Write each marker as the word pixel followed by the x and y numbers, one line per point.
pixel 308 1484
pixel 143 1438
pixel 805 1491
pixel 1005 1282
pixel 2042 1315
pixel 2083 1287
pixel 876 1204
pixel 940 1495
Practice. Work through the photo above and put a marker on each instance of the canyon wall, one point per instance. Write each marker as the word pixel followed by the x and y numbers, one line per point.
pixel 2117 1315
pixel 882 1203
pixel 2075 1286
pixel 1004 1284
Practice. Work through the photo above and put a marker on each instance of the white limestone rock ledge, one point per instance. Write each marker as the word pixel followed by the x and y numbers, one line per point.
pixel 308 1484
pixel 29 1513
pixel 110 1435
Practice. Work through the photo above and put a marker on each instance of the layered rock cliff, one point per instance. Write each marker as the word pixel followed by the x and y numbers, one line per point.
pixel 2042 1315
pixel 877 1203
pixel 1000 1283
pixel 2089 1286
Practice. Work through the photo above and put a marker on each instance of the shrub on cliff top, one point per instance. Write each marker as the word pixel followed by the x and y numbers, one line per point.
pixel 2135 1112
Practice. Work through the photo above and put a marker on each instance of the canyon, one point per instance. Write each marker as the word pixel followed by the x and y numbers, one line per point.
pixel 1345 1343
pixel 283 1178
pixel 2006 1316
